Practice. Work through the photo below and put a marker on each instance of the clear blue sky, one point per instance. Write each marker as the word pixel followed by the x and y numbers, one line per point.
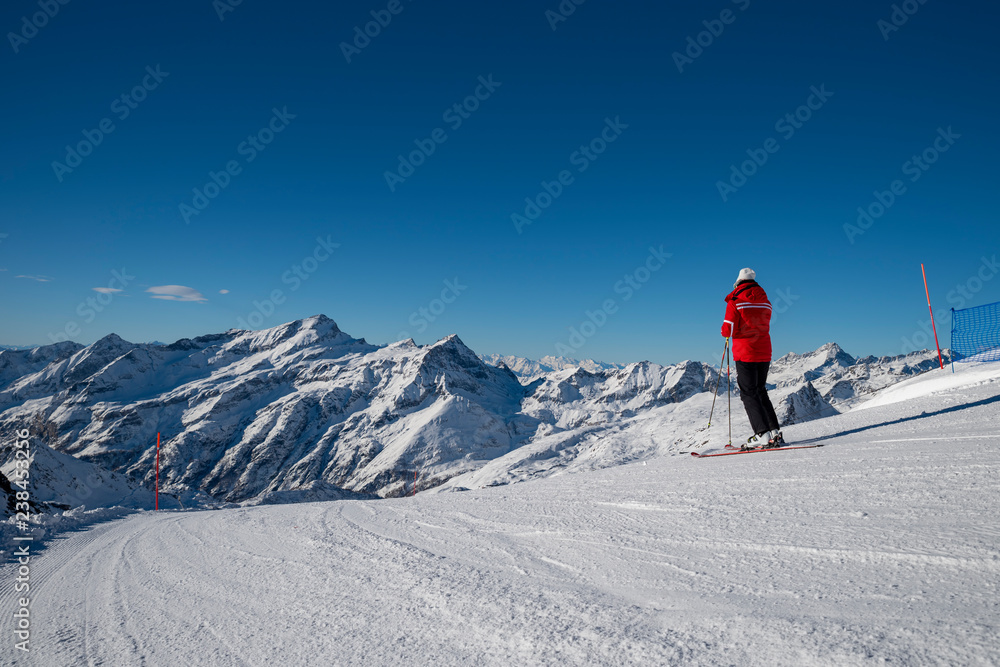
pixel 218 82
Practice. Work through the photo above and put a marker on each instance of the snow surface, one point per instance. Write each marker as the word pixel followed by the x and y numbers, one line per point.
pixel 879 548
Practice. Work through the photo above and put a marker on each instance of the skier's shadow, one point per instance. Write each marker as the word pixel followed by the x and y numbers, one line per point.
pixel 922 415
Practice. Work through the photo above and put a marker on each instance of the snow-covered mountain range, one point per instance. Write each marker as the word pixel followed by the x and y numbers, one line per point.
pixel 305 411
pixel 532 369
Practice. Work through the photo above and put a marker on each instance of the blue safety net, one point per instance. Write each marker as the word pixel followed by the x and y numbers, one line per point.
pixel 975 333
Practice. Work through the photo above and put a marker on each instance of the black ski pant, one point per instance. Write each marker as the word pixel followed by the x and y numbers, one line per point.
pixel 751 376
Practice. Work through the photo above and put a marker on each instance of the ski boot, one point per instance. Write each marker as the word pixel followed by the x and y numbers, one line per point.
pixel 755 441
pixel 775 440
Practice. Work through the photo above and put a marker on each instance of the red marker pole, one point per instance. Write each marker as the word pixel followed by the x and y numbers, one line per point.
pixel 157 506
pixel 933 326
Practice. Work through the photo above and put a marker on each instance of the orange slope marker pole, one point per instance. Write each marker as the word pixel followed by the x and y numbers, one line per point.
pixel 157 506
pixel 933 326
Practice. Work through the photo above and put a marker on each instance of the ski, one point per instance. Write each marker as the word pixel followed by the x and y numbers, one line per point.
pixel 753 451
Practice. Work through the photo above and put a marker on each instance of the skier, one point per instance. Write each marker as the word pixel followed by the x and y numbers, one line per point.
pixel 748 321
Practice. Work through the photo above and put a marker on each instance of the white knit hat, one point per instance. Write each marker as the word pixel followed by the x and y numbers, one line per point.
pixel 745 274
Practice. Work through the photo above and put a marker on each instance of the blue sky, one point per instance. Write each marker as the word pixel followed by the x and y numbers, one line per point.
pixel 308 221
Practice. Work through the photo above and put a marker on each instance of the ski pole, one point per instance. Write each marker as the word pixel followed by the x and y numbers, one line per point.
pixel 729 392
pixel 718 383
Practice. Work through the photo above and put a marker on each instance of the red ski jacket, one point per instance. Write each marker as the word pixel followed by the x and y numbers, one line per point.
pixel 748 321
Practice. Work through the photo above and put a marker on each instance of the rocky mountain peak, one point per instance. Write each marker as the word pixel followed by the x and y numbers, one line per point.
pixel 833 351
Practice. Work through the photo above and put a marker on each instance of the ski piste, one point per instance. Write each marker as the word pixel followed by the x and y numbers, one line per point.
pixel 754 451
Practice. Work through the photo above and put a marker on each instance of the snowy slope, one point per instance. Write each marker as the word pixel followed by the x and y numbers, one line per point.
pixel 60 481
pixel 876 549
pixel 969 375
pixel 17 363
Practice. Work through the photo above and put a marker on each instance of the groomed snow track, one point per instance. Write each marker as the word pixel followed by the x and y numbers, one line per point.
pixel 880 548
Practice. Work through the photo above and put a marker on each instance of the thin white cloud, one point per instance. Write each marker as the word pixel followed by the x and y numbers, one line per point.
pixel 41 279
pixel 176 293
pixel 106 290
pixel 223 291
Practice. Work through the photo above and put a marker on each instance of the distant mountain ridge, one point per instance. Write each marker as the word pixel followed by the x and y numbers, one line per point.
pixel 532 369
pixel 305 411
